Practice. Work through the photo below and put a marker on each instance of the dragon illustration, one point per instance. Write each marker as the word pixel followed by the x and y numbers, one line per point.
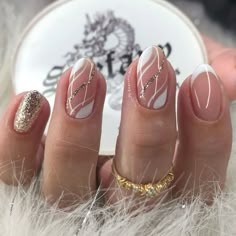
pixel 103 35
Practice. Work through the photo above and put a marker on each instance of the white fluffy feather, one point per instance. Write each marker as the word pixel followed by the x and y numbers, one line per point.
pixel 23 212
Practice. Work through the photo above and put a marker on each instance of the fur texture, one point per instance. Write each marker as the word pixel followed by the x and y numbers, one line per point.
pixel 23 212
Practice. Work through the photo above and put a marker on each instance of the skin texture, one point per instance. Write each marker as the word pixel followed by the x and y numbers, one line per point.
pixel 146 145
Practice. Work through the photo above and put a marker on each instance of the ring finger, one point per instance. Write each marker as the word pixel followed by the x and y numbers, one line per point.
pixel 22 128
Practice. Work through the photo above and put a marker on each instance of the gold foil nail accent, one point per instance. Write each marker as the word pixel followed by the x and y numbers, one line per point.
pixel 83 86
pixel 154 77
pixel 28 111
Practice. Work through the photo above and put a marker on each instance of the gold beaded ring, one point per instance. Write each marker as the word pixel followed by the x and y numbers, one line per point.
pixel 149 189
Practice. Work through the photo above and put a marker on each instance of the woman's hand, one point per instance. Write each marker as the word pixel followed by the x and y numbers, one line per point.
pixel 146 146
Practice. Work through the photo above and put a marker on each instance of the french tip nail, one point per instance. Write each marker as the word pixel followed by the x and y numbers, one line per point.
pixel 202 68
pixel 28 111
pixel 206 93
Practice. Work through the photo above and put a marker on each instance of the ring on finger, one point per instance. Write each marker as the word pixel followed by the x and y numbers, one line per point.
pixel 148 189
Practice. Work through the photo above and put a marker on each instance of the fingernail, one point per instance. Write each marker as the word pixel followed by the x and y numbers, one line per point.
pixel 152 78
pixel 206 93
pixel 82 89
pixel 28 111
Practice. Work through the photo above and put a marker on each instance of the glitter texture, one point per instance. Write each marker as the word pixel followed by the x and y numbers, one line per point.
pixel 28 111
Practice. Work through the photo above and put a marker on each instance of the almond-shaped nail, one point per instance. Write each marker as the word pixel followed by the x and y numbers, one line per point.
pixel 28 111
pixel 152 78
pixel 206 93
pixel 82 89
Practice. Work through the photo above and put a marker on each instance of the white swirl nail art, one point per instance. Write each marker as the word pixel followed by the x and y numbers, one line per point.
pixel 152 80
pixel 204 68
pixel 82 89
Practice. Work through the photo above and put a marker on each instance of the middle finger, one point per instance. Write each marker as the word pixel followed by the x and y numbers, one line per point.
pixel 147 137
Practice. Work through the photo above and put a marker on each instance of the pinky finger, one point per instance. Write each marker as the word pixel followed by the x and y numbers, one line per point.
pixel 22 128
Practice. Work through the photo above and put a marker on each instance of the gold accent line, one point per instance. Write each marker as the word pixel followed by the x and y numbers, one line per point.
pixel 154 77
pixel 84 85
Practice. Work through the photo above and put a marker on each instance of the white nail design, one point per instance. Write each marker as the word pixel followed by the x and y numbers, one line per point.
pixel 152 80
pixel 82 89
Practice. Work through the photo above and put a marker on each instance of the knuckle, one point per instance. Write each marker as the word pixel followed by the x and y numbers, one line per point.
pixel 68 146
pixel 161 140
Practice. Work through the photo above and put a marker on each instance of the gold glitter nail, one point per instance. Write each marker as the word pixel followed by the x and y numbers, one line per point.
pixel 28 111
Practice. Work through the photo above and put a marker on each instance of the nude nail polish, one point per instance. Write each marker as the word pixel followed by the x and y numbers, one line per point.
pixel 82 89
pixel 206 93
pixel 28 111
pixel 152 78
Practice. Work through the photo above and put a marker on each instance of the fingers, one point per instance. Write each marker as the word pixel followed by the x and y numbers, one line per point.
pixel 147 136
pixel 22 127
pixel 205 133
pixel 223 60
pixel 72 144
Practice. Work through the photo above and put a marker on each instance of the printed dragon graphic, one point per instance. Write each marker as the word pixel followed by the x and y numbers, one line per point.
pixel 104 34
pixel 110 42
